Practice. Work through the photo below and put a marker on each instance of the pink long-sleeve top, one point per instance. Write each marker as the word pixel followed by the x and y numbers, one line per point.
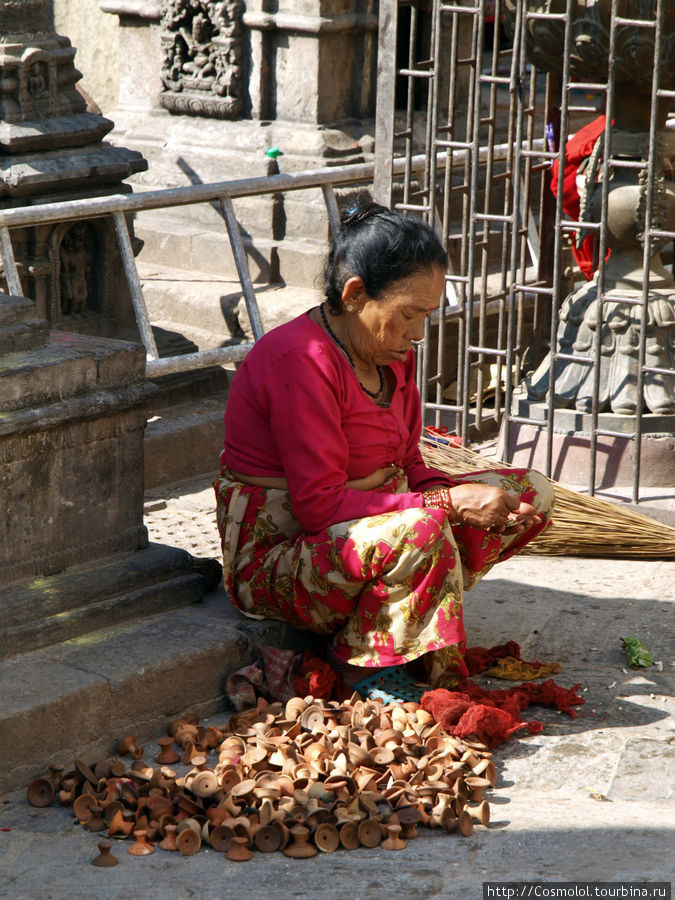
pixel 296 410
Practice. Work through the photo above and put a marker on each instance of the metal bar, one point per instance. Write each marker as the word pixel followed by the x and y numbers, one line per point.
pixel 489 351
pixel 416 73
pixel 385 113
pixel 134 282
pixel 331 208
pixel 242 267
pixel 168 365
pixel 606 432
pixel 92 207
pixel 658 370
pixel 647 245
pixel 556 297
pixel 9 263
pixel 571 357
pixel 602 247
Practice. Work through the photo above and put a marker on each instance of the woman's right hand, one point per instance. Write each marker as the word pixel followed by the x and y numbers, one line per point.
pixel 491 508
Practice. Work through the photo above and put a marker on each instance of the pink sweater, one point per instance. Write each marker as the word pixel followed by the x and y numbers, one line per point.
pixel 296 410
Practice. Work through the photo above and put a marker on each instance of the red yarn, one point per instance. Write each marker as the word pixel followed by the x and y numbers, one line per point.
pixel 317 678
pixel 577 149
pixel 491 716
pixel 478 659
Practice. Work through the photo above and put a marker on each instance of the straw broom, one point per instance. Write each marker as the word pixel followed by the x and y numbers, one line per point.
pixel 582 525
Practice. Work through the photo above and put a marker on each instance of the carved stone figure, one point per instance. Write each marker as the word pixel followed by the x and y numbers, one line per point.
pixel 202 71
pixel 75 261
pixel 618 313
pixel 37 80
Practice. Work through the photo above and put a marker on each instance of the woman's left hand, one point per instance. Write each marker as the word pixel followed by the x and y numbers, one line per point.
pixel 370 482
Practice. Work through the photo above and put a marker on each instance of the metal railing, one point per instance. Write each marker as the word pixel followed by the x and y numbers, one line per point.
pixel 119 206
pixel 462 92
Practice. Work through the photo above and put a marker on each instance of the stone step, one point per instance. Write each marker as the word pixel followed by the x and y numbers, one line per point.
pixel 184 440
pixel 94 595
pixel 78 698
pixel 167 236
pixel 209 309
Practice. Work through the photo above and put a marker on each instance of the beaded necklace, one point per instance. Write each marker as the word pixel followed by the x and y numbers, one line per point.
pixel 375 395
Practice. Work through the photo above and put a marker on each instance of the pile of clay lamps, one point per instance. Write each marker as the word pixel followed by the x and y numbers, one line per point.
pixel 303 777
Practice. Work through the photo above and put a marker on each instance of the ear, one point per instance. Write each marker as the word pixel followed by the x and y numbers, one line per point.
pixel 353 292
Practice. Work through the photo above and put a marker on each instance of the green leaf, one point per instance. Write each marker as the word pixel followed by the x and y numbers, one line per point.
pixel 638 655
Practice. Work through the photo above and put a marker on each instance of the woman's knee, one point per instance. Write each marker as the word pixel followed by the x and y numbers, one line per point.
pixel 544 493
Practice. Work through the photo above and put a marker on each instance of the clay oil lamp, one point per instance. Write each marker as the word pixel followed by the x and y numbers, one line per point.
pixel 66 798
pixel 300 848
pixel 55 775
pixel 243 791
pixel 480 813
pixel 140 771
pixel 267 838
pixel 110 808
pixel 312 719
pixel 487 769
pixel 128 747
pixel 120 824
pixel 229 776
pixel 95 822
pixel 40 792
pixel 105 859
pixel 326 837
pixel 167 755
pixel 393 840
pixel 409 817
pixel 82 806
pixel 84 773
pixel 369 833
pixel 253 759
pixel 239 851
pixel 189 840
pixel 476 784
pixel 221 838
pixel 141 846
pixel 169 841
pixel 349 835
pixel 465 823
pixel 210 739
pixel 204 784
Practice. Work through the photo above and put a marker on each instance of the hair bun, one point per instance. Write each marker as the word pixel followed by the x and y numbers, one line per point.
pixel 359 212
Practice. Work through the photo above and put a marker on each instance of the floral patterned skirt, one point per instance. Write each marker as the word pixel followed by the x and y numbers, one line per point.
pixel 388 588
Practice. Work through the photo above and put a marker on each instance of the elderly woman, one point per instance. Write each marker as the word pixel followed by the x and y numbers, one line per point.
pixel 329 518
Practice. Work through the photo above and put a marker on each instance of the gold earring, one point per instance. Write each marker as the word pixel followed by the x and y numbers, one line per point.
pixel 350 308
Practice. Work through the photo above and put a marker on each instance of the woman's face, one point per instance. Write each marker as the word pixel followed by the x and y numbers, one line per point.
pixel 381 331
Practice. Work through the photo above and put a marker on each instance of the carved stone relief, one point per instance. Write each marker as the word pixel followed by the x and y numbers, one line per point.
pixel 75 260
pixel 202 66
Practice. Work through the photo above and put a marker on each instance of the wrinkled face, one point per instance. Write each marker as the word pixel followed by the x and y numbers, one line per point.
pixel 381 331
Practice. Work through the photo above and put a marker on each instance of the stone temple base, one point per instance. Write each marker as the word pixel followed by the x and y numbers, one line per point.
pixel 615 461
pixel 44 611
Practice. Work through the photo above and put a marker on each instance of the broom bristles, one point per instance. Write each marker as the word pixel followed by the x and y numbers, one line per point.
pixel 582 525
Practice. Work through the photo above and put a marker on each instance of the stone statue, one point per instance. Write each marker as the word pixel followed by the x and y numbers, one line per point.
pixel 615 318
pixel 202 70
pixel 75 271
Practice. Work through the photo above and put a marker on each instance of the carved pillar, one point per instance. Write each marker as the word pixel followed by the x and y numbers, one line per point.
pixel 207 87
pixel 52 147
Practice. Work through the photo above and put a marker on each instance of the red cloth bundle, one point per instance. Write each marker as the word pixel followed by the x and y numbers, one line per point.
pixel 491 716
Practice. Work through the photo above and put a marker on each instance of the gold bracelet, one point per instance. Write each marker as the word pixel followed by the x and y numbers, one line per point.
pixel 439 498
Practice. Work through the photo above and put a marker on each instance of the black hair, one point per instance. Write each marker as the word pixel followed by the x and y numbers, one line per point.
pixel 380 246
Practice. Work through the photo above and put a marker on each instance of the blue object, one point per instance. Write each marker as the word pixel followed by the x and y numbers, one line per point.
pixel 391 685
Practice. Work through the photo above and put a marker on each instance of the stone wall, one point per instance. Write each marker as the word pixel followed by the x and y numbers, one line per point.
pixel 95 35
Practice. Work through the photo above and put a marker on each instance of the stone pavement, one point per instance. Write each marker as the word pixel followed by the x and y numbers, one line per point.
pixel 589 799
